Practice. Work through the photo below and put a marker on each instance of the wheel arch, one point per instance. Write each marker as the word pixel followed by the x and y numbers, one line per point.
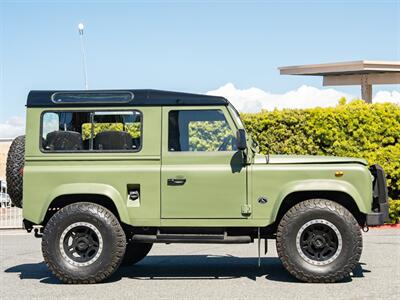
pixel 101 194
pixel 342 192
pixel 339 197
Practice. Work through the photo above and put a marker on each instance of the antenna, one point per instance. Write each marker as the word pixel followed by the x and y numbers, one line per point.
pixel 80 28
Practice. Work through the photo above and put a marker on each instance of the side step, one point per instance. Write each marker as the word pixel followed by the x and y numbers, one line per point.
pixel 192 238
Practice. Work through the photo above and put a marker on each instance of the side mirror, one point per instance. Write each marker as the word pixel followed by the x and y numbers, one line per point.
pixel 241 139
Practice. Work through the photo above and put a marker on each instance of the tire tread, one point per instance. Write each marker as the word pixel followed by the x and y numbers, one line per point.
pixel 14 165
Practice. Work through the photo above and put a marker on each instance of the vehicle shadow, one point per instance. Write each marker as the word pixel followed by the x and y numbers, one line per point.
pixel 193 267
pixel 198 267
pixel 37 271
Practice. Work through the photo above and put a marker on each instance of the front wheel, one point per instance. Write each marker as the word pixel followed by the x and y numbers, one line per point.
pixel 83 243
pixel 319 241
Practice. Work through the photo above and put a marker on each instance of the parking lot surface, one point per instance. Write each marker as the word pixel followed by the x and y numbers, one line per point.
pixel 190 271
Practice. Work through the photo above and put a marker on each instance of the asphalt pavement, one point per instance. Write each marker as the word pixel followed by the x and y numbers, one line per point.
pixel 190 271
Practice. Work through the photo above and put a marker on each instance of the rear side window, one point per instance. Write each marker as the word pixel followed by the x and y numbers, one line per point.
pixel 199 130
pixel 103 131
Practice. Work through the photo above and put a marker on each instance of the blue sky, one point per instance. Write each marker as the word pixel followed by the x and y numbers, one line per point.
pixel 196 46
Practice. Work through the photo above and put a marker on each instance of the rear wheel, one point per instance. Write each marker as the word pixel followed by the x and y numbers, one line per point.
pixel 135 252
pixel 83 243
pixel 319 241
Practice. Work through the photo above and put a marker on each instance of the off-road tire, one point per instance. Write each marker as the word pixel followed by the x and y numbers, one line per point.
pixel 317 209
pixel 14 170
pixel 113 249
pixel 135 252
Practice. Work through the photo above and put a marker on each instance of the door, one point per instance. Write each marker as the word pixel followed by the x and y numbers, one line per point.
pixel 202 173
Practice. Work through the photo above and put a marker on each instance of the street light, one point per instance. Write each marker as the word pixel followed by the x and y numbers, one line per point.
pixel 80 28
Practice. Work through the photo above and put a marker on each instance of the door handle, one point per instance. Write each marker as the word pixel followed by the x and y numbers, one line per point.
pixel 176 181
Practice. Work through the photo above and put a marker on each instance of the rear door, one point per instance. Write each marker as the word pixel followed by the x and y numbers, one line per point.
pixel 203 175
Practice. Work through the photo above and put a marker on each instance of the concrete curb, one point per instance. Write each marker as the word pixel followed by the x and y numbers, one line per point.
pixel 387 226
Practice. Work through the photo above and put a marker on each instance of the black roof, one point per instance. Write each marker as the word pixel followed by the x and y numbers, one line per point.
pixel 145 97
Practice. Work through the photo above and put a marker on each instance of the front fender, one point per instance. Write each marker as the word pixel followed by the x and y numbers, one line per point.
pixel 87 188
pixel 319 185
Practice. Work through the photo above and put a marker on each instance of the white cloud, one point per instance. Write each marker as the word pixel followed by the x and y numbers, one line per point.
pixel 386 96
pixel 12 127
pixel 255 99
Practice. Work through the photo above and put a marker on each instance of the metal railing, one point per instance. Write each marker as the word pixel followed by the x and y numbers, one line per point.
pixel 10 216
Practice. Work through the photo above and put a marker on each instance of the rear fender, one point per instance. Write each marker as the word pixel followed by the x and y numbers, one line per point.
pixel 89 188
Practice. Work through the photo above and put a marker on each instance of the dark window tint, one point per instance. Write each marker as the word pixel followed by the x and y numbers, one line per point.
pixel 199 130
pixel 88 131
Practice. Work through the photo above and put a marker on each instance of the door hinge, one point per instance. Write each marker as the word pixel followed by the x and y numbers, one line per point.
pixel 246 209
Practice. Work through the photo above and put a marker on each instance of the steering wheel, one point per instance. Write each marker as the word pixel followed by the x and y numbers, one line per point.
pixel 225 143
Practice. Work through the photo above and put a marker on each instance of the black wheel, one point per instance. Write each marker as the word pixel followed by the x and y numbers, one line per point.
pixel 135 252
pixel 319 241
pixel 14 170
pixel 83 243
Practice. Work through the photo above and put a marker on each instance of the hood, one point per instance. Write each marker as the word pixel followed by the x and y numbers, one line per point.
pixel 306 159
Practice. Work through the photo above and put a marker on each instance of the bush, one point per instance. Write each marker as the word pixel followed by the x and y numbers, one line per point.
pixel 357 129
pixel 394 211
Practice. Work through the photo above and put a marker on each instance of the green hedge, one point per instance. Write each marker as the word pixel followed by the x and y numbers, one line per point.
pixel 356 129
pixel 394 211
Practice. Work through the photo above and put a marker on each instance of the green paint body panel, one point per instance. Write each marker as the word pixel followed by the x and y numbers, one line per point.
pixel 219 185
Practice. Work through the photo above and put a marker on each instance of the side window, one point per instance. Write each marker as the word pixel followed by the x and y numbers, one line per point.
pixel 116 131
pixel 62 131
pixel 199 130
pixel 91 131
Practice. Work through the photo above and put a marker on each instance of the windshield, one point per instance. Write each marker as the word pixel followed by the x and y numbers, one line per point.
pixel 235 115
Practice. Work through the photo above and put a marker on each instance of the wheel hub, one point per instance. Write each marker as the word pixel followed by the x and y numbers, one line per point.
pixel 81 244
pixel 319 242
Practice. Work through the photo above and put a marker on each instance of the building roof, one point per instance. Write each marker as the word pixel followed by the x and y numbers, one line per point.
pixel 145 97
pixel 341 68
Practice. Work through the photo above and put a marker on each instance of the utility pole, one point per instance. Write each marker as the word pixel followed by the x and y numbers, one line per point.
pixel 80 28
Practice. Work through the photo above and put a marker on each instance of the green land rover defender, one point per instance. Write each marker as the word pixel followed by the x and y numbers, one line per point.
pixel 103 175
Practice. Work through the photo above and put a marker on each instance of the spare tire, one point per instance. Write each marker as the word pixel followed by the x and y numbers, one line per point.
pixel 14 170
